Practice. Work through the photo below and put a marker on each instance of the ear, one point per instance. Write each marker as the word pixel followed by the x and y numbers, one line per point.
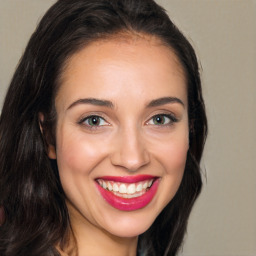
pixel 51 151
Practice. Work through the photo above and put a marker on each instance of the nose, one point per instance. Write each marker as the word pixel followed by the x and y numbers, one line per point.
pixel 130 151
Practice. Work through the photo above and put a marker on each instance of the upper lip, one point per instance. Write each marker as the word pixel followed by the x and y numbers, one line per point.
pixel 128 179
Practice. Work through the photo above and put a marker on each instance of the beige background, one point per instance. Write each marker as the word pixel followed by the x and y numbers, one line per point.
pixel 223 32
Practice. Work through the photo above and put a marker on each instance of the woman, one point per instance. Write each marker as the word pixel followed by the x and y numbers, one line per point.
pixel 102 132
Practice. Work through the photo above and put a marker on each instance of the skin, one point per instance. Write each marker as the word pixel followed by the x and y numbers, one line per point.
pixel 130 73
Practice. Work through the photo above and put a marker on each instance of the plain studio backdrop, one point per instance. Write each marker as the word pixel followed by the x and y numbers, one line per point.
pixel 223 33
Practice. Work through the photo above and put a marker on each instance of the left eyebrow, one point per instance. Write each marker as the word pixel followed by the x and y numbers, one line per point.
pixel 163 101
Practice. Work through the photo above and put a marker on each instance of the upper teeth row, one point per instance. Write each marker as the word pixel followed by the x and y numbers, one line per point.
pixel 125 188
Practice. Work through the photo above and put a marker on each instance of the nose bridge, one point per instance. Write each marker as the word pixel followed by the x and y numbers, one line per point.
pixel 130 151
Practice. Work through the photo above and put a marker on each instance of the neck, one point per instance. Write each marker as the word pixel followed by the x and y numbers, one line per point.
pixel 90 240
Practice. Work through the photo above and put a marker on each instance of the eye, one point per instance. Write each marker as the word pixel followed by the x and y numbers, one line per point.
pixel 94 121
pixel 162 119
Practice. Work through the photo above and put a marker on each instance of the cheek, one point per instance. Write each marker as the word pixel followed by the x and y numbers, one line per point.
pixel 172 153
pixel 77 157
pixel 176 156
pixel 174 159
pixel 77 154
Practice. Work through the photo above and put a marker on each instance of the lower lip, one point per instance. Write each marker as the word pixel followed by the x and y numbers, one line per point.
pixel 129 204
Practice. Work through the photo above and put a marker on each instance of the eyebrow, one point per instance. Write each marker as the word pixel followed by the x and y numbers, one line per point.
pixel 109 104
pixel 92 101
pixel 163 101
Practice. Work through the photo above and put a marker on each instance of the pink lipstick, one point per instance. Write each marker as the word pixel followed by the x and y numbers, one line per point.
pixel 128 193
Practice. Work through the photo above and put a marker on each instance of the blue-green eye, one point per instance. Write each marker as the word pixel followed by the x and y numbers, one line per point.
pixel 94 121
pixel 162 119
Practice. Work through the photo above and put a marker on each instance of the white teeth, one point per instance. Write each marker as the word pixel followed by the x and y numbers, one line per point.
pixel 139 188
pixel 126 190
pixel 145 185
pixel 110 188
pixel 122 189
pixel 115 187
pixel 128 195
pixel 131 189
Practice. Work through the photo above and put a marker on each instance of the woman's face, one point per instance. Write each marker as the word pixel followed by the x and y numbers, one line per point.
pixel 122 134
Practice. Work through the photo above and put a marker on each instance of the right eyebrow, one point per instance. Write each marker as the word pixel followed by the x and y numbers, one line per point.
pixel 92 101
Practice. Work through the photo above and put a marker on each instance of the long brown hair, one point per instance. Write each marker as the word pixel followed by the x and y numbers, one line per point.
pixel 36 216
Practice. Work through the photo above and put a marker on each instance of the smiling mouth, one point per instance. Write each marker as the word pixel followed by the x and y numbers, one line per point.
pixel 126 190
pixel 128 193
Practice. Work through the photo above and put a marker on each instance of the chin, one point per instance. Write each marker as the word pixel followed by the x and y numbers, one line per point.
pixel 132 224
pixel 130 230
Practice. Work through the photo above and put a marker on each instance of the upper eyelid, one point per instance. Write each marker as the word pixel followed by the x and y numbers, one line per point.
pixel 84 117
pixel 172 117
pixel 164 113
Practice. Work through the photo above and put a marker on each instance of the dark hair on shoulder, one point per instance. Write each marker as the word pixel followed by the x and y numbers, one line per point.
pixel 36 216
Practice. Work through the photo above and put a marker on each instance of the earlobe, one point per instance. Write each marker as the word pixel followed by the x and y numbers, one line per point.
pixel 51 151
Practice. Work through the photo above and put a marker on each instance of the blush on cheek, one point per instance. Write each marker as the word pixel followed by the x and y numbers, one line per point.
pixel 175 154
pixel 79 157
pixel 180 156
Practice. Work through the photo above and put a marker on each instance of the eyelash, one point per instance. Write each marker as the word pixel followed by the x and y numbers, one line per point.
pixel 172 120
pixel 87 119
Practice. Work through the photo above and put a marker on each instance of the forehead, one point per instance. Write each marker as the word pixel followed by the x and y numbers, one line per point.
pixel 132 43
pixel 121 64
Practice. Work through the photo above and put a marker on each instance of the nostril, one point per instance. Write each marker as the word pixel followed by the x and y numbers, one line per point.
pixel 133 163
